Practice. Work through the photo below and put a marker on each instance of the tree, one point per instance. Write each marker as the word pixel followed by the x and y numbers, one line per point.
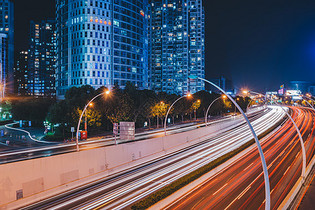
pixel 159 111
pixel 195 106
pixel 182 107
pixel 93 117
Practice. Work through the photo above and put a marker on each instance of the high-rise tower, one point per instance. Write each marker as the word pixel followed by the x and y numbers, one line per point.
pixel 20 73
pixel 176 49
pixel 6 47
pixel 41 59
pixel 101 43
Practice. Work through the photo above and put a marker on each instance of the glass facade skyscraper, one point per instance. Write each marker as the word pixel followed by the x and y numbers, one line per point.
pixel 101 43
pixel 6 47
pixel 176 49
pixel 41 59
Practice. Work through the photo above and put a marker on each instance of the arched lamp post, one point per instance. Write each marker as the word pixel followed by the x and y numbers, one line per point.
pixel 301 142
pixel 206 116
pixel 309 102
pixel 86 106
pixel 168 111
pixel 262 157
pixel 300 138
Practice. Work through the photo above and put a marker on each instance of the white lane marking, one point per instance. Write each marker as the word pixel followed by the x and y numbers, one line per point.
pixel 297 154
pixel 238 197
pixel 248 166
pixel 219 189
pixel 286 170
pixel 243 193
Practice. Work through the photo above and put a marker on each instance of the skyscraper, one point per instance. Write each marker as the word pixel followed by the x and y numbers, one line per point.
pixel 101 43
pixel 20 73
pixel 41 59
pixel 176 49
pixel 6 47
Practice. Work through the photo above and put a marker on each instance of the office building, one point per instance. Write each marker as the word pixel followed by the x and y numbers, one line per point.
pixel 176 49
pixel 41 59
pixel 20 73
pixel 6 47
pixel 101 43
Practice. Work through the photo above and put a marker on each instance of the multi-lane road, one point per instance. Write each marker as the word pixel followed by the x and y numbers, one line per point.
pixel 241 185
pixel 123 189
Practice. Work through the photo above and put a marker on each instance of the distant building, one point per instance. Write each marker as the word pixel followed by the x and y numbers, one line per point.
pixel 101 43
pixel 311 90
pixel 223 83
pixel 20 73
pixel 41 59
pixel 6 47
pixel 299 85
pixel 176 47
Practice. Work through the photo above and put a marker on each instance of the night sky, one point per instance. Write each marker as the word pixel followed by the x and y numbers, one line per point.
pixel 258 44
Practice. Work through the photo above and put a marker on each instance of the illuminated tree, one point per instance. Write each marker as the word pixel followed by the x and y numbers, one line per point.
pixel 195 106
pixel 159 111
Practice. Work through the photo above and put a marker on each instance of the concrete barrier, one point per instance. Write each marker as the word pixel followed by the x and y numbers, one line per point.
pixel 25 182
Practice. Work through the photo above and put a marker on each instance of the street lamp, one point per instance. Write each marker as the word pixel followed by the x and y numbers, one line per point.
pixel 168 111
pixel 86 106
pixel 300 138
pixel 206 116
pixel 263 160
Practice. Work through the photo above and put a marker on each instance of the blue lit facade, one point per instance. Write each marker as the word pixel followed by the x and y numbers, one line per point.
pixel 41 59
pixel 101 43
pixel 176 50
pixel 6 47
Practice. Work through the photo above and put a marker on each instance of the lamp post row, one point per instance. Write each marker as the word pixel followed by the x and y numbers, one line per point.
pixel 264 165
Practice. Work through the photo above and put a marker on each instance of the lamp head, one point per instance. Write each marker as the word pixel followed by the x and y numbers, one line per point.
pixel 107 92
pixel 245 91
pixel 188 95
pixel 224 96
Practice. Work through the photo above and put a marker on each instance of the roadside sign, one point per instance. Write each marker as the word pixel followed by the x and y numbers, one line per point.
pixel 83 134
pixel 72 129
pixel 115 128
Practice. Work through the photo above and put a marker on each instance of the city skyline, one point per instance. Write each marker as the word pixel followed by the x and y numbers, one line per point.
pixel 288 22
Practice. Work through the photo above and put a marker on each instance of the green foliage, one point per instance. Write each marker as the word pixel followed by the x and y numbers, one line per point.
pixel 93 116
pixel 130 104
pixel 31 109
pixel 196 105
pixel 159 110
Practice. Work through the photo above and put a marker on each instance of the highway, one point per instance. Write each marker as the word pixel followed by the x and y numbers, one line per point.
pixel 121 190
pixel 32 149
pixel 241 185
